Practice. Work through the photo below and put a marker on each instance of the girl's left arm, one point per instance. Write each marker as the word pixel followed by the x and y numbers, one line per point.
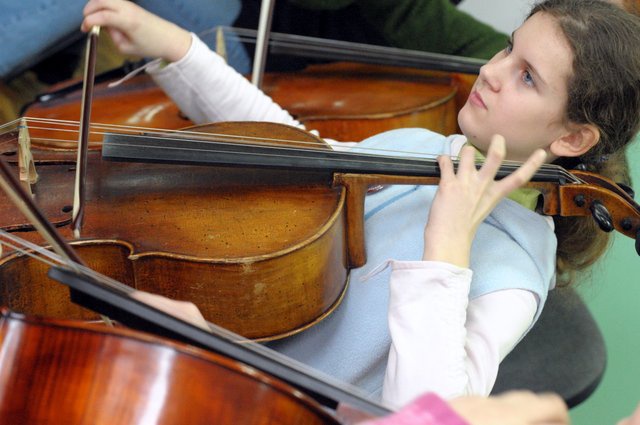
pixel 442 342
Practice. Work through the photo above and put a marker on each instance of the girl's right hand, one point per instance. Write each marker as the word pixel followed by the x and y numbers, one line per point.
pixel 135 31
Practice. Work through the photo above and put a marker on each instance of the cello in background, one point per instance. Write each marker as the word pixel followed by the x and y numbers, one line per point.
pixel 363 91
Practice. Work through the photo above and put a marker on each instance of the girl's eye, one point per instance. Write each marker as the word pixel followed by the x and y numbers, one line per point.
pixel 509 47
pixel 527 78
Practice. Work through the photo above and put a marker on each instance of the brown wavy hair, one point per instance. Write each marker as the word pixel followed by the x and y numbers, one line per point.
pixel 604 91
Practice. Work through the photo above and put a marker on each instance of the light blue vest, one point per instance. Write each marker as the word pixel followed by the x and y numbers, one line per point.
pixel 514 248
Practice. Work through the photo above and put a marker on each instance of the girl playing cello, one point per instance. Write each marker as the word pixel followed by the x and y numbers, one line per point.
pixel 456 275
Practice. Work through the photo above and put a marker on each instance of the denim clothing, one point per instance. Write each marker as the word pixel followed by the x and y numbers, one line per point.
pixel 34 29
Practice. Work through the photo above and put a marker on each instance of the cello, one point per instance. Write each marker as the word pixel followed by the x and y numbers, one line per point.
pixel 215 250
pixel 343 101
pixel 78 373
pixel 364 90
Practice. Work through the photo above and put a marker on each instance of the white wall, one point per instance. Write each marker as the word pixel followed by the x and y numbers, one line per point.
pixel 503 15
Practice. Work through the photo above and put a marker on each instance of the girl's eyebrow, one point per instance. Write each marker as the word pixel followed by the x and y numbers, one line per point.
pixel 532 68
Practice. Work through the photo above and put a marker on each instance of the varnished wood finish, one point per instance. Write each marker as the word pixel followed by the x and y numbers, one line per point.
pixel 261 252
pixel 138 102
pixel 62 372
pixel 350 102
pixel 343 101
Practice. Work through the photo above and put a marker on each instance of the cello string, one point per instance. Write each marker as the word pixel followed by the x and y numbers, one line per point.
pixel 15 244
pixel 282 152
pixel 553 169
pixel 291 154
pixel 218 137
pixel 551 173
pixel 547 170
pixel 163 134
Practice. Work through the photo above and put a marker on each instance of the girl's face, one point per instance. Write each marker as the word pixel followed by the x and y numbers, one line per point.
pixel 521 93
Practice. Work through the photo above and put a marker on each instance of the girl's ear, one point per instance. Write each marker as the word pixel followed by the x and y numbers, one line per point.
pixel 575 143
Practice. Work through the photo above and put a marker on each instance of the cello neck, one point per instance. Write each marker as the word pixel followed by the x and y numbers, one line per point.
pixel 144 148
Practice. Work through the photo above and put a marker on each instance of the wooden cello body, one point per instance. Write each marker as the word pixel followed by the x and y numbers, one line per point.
pixel 60 371
pixel 343 101
pixel 261 252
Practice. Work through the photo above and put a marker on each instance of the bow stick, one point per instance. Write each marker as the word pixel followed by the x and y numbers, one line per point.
pixel 264 27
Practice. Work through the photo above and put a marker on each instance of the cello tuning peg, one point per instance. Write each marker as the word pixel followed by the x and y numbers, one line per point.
pixel 581 167
pixel 602 216
pixel 627 189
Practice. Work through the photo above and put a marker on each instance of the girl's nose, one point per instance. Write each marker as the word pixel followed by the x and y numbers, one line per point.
pixel 490 75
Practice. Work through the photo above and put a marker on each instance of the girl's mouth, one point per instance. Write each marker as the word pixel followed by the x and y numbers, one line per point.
pixel 476 100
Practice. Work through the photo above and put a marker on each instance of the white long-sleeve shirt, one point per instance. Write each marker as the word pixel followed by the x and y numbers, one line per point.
pixel 460 350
